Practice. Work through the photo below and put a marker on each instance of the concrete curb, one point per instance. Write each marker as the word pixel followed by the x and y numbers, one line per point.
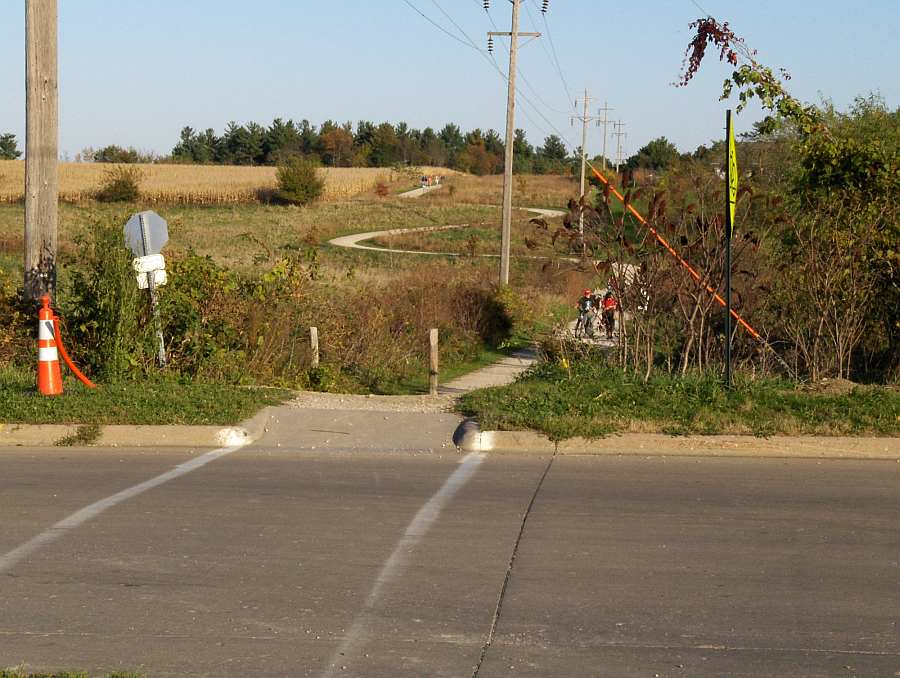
pixel 117 435
pixel 469 437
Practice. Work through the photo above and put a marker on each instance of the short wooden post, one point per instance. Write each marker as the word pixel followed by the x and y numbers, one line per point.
pixel 314 345
pixel 433 367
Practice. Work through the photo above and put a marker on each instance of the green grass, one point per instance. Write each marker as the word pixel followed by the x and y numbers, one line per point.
pixel 593 400
pixel 155 402
pixel 243 236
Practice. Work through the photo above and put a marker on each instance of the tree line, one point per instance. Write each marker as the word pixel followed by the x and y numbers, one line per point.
pixel 368 145
pixel 365 145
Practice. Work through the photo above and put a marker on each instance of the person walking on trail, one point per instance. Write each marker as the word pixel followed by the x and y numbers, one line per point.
pixel 586 307
pixel 609 306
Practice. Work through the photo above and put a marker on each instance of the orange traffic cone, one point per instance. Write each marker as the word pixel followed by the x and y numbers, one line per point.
pixel 49 377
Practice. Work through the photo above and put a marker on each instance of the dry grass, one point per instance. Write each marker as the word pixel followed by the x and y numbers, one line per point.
pixel 195 184
pixel 528 190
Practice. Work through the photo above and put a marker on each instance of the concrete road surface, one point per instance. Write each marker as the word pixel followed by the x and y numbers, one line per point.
pixel 321 551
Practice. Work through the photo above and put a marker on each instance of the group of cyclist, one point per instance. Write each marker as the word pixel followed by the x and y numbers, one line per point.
pixel 591 306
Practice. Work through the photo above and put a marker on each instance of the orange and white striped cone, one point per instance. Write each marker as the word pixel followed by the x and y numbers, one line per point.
pixel 49 377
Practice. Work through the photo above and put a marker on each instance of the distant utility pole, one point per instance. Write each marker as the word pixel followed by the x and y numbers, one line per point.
pixel 514 36
pixel 606 109
pixel 585 119
pixel 41 147
pixel 618 134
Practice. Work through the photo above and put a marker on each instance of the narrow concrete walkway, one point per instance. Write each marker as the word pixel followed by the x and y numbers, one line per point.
pixel 418 192
pixel 500 373
pixel 355 240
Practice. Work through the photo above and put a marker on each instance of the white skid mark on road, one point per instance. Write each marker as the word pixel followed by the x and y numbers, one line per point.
pixel 356 635
pixel 17 555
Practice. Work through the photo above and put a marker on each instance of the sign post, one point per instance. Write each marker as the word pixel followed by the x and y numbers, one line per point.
pixel 731 178
pixel 145 234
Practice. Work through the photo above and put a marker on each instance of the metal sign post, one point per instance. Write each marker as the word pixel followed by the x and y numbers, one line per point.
pixel 145 234
pixel 731 180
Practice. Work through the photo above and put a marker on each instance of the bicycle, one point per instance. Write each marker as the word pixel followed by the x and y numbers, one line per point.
pixel 584 326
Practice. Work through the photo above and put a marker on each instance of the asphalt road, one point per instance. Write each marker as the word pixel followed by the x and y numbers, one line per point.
pixel 287 559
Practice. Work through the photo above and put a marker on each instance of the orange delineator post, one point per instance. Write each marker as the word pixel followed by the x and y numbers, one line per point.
pixel 62 351
pixel 662 241
pixel 49 377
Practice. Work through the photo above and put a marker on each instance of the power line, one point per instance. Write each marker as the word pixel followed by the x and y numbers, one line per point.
pixel 458 27
pixel 555 55
pixel 520 96
pixel 493 62
pixel 698 6
pixel 434 23
pixel 522 75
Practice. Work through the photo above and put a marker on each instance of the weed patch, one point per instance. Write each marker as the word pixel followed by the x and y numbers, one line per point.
pixel 84 435
pixel 593 400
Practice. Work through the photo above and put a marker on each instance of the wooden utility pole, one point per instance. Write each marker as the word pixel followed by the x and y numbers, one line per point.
pixel 505 234
pixel 606 109
pixel 41 148
pixel 585 119
pixel 618 134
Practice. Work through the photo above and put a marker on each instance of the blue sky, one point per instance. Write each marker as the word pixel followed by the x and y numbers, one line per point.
pixel 135 72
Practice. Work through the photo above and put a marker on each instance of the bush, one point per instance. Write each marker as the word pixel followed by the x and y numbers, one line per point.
pixel 222 326
pixel 121 184
pixel 299 182
pixel 17 318
pixel 103 305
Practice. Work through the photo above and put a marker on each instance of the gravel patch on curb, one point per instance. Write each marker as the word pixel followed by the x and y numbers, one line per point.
pixel 373 403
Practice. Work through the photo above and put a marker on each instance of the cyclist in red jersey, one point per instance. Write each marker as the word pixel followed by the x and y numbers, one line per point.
pixel 609 306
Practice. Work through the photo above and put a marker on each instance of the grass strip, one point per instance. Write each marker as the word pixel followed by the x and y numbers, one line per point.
pixel 592 400
pixel 154 402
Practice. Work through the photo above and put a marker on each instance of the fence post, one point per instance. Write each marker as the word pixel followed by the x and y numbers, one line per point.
pixel 433 371
pixel 314 345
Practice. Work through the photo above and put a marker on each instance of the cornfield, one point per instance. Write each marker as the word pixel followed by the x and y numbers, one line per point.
pixel 193 184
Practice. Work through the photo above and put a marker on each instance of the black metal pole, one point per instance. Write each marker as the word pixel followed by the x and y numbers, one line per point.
pixel 728 228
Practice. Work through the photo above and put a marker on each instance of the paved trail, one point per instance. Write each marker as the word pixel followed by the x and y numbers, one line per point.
pixel 356 240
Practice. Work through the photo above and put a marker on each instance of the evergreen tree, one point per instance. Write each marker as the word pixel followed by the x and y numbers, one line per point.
pixel 494 144
pixel 453 142
pixel 385 146
pixel 310 143
pixel 8 147
pixel 553 148
pixel 280 141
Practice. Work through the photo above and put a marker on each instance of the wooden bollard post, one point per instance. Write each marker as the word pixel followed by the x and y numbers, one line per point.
pixel 433 367
pixel 314 345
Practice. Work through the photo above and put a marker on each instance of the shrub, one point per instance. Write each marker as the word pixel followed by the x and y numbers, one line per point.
pixel 16 324
pixel 102 307
pixel 120 184
pixel 299 182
